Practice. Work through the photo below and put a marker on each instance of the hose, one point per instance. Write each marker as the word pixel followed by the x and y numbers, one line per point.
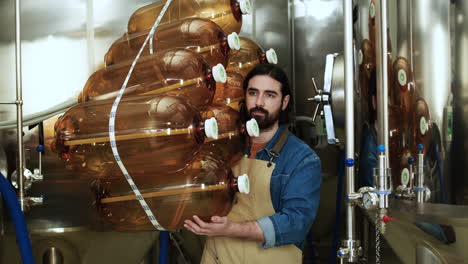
pixel 40 116
pixel 163 247
pixel 17 216
pixel 339 191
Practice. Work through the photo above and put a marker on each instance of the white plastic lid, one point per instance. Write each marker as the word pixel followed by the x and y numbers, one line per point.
pixel 405 176
pixel 360 57
pixel 245 6
pixel 402 77
pixel 252 128
pixel 243 184
pixel 372 10
pixel 211 128
pixel 219 73
pixel 423 126
pixel 271 56
pixel 234 41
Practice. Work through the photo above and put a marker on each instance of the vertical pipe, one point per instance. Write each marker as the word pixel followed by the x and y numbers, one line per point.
pixel 19 104
pixel 349 83
pixel 420 194
pixel 403 45
pixel 292 48
pixel 382 71
pixel 163 247
pixel 410 38
pixel 90 35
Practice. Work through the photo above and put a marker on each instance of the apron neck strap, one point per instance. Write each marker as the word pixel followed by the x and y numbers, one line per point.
pixel 274 152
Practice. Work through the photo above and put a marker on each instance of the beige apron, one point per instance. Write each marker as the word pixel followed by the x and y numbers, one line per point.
pixel 249 207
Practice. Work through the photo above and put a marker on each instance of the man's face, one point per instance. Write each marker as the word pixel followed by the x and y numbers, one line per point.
pixel 264 100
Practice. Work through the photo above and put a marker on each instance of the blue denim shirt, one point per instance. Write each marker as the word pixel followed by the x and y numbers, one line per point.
pixel 295 192
pixel 368 157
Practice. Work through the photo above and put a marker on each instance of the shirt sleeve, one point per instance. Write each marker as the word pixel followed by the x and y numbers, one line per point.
pixel 299 201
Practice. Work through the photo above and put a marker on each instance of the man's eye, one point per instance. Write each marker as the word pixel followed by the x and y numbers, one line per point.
pixel 252 93
pixel 270 95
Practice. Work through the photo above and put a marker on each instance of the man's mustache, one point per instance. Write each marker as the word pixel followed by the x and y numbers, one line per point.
pixel 258 109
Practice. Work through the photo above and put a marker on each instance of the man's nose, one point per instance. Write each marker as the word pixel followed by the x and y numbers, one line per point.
pixel 260 101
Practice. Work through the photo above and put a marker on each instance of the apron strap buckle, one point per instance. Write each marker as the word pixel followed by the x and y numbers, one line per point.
pixel 273 156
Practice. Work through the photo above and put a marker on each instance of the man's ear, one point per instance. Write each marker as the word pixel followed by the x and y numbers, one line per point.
pixel 285 102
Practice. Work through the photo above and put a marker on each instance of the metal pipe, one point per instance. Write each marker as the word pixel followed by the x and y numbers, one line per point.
pixel 382 71
pixel 11 102
pixel 420 192
pixel 410 39
pixel 292 48
pixel 19 104
pixel 349 99
pixel 90 35
pixel 403 29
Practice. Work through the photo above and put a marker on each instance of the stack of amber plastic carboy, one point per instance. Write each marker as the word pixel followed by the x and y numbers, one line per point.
pixel 176 144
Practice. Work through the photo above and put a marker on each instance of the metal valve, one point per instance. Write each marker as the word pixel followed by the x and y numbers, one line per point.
pixel 29 178
pixel 32 201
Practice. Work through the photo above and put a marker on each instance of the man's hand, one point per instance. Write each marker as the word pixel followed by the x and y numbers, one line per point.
pixel 222 226
pixel 219 226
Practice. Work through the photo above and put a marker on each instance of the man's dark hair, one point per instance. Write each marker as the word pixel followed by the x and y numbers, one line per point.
pixel 277 74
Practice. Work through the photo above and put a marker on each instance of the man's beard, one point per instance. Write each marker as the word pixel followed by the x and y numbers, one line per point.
pixel 265 121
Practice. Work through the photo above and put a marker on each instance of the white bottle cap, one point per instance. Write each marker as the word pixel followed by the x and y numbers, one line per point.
pixel 252 128
pixel 245 6
pixel 219 73
pixel 211 128
pixel 423 126
pixel 234 41
pixel 271 56
pixel 243 184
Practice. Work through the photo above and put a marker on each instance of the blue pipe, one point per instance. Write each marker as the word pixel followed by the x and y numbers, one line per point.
pixel 163 247
pixel 339 191
pixel 17 216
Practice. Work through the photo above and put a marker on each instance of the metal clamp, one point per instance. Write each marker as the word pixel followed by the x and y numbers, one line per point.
pixel 323 98
pixel 29 178
pixel 33 201
pixel 350 251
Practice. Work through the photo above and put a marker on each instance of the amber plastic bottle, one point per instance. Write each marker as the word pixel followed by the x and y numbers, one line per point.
pixel 404 90
pixel 206 187
pixel 421 125
pixel 176 71
pixel 372 22
pixel 366 60
pixel 199 35
pixel 231 92
pixel 154 134
pixel 249 55
pixel 230 145
pixel 226 13
pixel 395 141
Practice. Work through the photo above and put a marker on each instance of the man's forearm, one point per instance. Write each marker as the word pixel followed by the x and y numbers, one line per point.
pixel 248 230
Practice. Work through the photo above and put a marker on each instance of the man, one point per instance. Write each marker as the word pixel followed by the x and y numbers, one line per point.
pixel 269 224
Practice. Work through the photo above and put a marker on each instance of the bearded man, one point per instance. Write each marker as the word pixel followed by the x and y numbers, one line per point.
pixel 269 224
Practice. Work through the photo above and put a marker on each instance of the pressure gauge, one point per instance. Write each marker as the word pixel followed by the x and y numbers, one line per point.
pixel 370 200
